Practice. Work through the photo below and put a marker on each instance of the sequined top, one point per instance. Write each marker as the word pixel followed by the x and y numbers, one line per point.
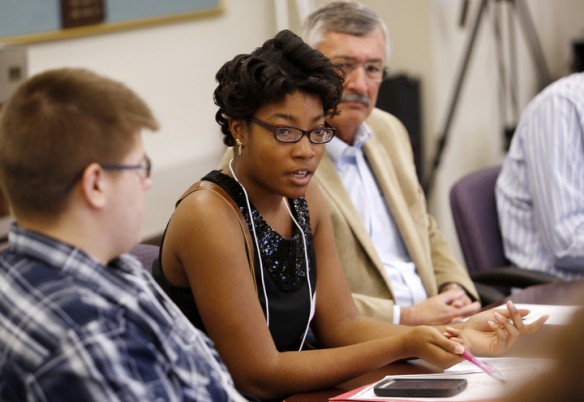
pixel 284 266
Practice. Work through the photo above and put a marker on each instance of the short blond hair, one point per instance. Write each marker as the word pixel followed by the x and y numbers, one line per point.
pixel 54 125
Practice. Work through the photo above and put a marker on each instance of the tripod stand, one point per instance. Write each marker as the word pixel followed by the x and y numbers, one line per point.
pixel 536 52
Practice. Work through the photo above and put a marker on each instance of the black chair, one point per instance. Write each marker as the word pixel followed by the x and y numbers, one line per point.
pixel 146 253
pixel 474 211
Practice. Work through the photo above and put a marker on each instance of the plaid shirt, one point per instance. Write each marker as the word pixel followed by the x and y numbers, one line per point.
pixel 73 329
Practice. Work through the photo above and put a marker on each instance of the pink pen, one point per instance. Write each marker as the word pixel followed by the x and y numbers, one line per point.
pixel 483 366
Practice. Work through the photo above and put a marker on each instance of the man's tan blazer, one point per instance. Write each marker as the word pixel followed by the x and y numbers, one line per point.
pixel 389 154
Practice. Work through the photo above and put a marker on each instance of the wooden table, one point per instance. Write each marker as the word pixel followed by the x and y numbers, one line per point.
pixel 375 375
pixel 554 293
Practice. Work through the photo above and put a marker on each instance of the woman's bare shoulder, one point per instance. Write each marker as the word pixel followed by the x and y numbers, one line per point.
pixel 204 214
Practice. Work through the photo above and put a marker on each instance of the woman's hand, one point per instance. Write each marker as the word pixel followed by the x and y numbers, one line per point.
pixel 492 332
pixel 428 343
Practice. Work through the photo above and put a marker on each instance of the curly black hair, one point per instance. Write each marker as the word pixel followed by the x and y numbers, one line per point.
pixel 281 66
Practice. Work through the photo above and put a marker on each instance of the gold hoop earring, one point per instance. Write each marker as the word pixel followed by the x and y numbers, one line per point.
pixel 239 147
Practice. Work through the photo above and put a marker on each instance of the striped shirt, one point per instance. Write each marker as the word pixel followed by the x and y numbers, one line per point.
pixel 540 192
pixel 73 329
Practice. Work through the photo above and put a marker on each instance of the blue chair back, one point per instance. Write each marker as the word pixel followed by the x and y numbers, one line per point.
pixel 146 253
pixel 474 211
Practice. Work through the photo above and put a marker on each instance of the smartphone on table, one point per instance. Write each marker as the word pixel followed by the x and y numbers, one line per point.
pixel 420 387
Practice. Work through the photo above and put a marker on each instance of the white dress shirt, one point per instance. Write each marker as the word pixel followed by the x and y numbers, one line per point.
pixel 362 187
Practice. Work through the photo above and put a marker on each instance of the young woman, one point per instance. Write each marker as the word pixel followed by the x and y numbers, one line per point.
pixel 272 108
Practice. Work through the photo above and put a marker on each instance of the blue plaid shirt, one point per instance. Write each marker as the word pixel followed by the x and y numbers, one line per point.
pixel 73 329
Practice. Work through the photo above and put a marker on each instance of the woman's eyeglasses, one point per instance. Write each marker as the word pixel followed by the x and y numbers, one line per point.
pixel 319 135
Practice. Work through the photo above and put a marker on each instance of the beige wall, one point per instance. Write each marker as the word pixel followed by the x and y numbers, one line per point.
pixel 475 137
pixel 428 43
pixel 173 68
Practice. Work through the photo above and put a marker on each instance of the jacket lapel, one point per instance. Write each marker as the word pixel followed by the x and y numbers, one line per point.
pixel 330 182
pixel 388 182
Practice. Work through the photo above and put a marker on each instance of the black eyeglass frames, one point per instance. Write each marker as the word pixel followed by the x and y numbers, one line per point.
pixel 145 166
pixel 319 135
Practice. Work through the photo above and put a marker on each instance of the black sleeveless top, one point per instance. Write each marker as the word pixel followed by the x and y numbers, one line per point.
pixel 284 270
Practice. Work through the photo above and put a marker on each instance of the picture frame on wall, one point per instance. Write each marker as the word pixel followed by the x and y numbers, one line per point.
pixel 35 21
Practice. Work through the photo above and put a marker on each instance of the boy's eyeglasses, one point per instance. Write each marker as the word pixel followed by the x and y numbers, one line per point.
pixel 145 166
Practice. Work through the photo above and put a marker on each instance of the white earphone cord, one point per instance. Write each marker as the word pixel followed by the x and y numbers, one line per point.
pixel 255 238
pixel 307 276
pixel 260 257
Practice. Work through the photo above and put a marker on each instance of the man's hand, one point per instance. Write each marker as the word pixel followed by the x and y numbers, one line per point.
pixel 462 301
pixel 448 307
